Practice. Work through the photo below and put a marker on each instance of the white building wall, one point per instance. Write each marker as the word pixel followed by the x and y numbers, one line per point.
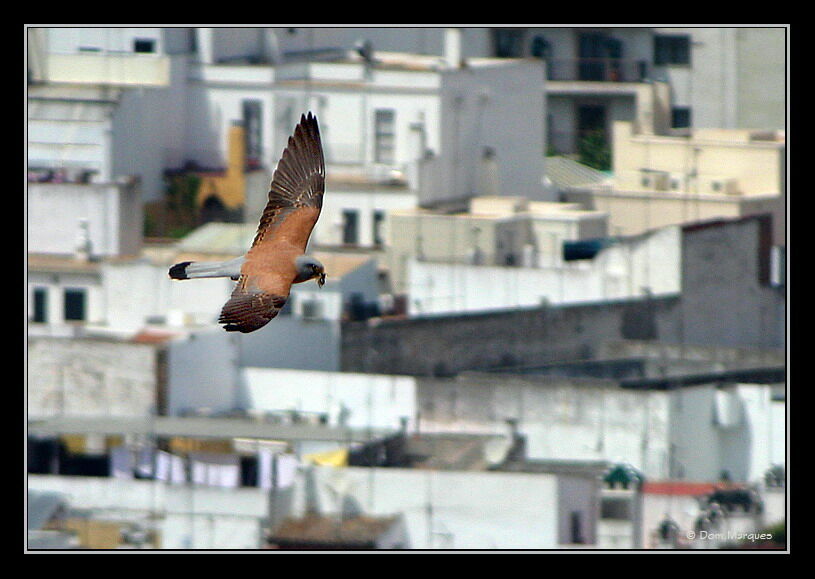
pixel 147 134
pixel 55 285
pixel 495 107
pixel 71 40
pixel 112 211
pixel 617 272
pixel 140 292
pixel 329 228
pixel 202 373
pixel 765 422
pixel 470 510
pixel 188 517
pixel 90 378
pixel 370 401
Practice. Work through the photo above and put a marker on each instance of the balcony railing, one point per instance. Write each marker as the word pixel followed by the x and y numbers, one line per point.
pixel 597 69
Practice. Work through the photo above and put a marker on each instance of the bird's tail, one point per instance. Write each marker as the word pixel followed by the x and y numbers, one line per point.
pixel 196 269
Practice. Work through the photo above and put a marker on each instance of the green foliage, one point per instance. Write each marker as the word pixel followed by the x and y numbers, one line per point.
pixel 594 151
pixel 182 192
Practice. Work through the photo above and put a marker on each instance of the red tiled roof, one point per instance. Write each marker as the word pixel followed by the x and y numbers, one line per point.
pixel 677 488
pixel 152 337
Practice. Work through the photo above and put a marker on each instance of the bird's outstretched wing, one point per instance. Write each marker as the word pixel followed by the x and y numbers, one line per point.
pixel 298 183
pixel 295 201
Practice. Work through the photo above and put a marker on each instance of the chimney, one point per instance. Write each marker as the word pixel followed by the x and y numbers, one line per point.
pixel 452 47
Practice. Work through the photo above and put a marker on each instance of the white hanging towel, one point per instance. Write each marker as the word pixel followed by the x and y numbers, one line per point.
pixel 286 469
pixel 170 468
pixel 213 469
pixel 265 458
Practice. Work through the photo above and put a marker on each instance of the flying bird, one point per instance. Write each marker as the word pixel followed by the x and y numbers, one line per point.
pixel 277 257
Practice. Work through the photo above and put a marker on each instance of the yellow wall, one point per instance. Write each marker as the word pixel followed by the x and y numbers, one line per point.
pixel 230 187
pixel 756 166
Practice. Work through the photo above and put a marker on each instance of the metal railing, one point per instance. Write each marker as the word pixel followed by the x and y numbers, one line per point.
pixel 597 69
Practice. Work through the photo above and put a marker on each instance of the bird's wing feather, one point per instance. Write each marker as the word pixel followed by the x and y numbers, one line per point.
pixel 250 308
pixel 298 183
pixel 295 201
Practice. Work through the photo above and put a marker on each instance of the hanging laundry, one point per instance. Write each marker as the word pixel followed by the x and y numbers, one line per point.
pixel 211 469
pixel 286 469
pixel 170 468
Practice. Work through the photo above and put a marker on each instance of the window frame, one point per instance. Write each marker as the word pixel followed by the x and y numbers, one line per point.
pixel 385 140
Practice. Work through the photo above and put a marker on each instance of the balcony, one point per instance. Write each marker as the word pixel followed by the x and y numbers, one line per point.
pixel 107 68
pixel 597 69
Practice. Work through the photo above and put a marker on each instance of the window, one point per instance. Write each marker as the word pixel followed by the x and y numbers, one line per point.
pixel 672 49
pixel 540 47
pixel 74 305
pixel 616 508
pixel 384 136
pixel 680 117
pixel 144 45
pixel 379 220
pixel 40 305
pixel 576 527
pixel 508 42
pixel 253 132
pixel 350 234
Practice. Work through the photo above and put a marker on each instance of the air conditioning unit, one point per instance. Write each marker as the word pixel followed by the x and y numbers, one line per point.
pixel 311 310
pixel 724 186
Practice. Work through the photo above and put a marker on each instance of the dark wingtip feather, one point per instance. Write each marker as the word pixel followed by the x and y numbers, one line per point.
pixel 179 270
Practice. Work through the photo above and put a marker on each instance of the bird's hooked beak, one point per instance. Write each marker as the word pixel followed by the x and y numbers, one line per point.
pixel 321 280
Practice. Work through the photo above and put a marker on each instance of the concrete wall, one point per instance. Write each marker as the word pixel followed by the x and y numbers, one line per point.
pixel 202 372
pixel 726 296
pixel 113 213
pixel 289 342
pixel 449 344
pixel 370 401
pixel 492 107
pixel 186 517
pixel 626 270
pixel 725 300
pixel 561 418
pixel 90 378
pixel 736 78
pixel 470 510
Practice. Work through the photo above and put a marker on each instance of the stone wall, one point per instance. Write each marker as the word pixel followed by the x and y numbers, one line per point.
pixel 85 377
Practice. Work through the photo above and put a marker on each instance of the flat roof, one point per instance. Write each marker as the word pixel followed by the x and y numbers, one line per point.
pixel 200 427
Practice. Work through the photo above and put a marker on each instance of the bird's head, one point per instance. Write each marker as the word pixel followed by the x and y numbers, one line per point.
pixel 310 268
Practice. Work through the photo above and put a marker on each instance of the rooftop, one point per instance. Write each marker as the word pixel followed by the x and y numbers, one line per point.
pixel 43 262
pixel 563 173
pixel 314 530
pixel 199 427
